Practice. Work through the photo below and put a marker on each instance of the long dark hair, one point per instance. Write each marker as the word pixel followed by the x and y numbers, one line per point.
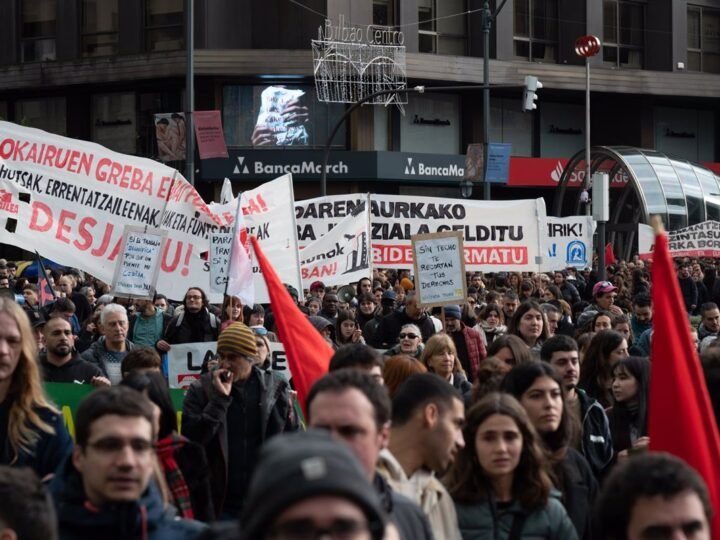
pixel 514 324
pixel 634 411
pixel 468 483
pixel 519 349
pixel 522 377
pixel 595 372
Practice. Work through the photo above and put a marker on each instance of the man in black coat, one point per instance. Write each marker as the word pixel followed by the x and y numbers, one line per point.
pixel 389 327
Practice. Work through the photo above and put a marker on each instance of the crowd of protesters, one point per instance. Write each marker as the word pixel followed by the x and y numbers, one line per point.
pixel 520 413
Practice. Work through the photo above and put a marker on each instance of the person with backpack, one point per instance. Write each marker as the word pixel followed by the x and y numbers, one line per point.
pixel 193 324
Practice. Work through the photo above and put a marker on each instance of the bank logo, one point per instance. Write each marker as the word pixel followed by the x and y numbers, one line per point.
pixel 410 168
pixel 576 254
pixel 241 168
pixel 6 204
pixel 556 173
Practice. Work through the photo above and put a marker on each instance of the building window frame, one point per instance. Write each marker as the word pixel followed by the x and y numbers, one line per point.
pixel 618 51
pixel 45 39
pixel 97 43
pixel 170 27
pixel 698 53
pixel 386 8
pixel 432 37
pixel 528 42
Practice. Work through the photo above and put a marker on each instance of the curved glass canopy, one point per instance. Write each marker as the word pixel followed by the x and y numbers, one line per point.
pixel 643 183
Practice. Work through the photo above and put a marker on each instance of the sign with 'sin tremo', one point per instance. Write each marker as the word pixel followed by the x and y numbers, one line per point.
pixel 137 270
pixel 439 264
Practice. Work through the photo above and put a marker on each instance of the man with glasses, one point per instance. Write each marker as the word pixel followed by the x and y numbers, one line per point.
pixel 231 411
pixel 105 489
pixel 195 324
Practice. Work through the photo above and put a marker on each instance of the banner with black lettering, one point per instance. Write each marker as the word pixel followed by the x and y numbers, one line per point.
pixel 701 240
pixel 568 242
pixel 342 255
pixel 497 235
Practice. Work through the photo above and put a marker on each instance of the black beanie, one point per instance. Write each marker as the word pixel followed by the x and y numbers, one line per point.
pixel 297 466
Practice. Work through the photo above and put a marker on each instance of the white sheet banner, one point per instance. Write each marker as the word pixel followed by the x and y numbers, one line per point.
pixel 568 242
pixel 72 200
pixel 268 214
pixel 701 240
pixel 498 235
pixel 342 255
pixel 184 362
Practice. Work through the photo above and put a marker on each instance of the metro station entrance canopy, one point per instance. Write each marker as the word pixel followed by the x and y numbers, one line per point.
pixel 643 183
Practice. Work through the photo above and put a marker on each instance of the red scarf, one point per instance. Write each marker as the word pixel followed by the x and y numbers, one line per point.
pixel 166 449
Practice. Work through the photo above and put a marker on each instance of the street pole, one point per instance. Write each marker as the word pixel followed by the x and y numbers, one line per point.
pixel 587 129
pixel 189 93
pixel 487 23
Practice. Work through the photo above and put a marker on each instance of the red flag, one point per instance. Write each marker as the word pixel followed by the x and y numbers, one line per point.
pixel 609 255
pixel 680 417
pixel 308 354
pixel 46 294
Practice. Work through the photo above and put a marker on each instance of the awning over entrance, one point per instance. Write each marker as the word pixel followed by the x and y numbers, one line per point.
pixel 682 193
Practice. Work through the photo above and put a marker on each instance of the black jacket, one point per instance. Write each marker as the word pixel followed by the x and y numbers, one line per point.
pixel 597 444
pixel 76 370
pixel 204 420
pixel 579 489
pixel 192 328
pixel 387 332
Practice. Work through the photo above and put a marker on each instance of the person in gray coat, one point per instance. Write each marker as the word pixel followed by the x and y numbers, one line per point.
pixel 501 484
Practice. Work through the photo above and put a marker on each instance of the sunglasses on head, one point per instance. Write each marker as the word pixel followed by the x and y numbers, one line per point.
pixel 409 335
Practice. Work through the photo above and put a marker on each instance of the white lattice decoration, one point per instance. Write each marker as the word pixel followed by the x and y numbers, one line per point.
pixel 346 72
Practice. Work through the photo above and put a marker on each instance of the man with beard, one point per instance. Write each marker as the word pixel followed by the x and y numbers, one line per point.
pixel 60 363
pixel 390 326
pixel 195 324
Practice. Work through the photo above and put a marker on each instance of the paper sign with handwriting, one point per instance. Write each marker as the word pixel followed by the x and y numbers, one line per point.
pixel 439 268
pixel 137 270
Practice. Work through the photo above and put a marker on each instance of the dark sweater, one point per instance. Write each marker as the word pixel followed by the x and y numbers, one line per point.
pixel 76 370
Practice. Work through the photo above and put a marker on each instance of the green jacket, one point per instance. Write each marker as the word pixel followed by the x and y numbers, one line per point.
pixel 476 521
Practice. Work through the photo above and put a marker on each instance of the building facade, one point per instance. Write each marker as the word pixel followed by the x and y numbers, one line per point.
pixel 99 69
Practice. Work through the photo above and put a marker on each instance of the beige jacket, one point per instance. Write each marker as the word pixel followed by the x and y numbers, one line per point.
pixel 427 491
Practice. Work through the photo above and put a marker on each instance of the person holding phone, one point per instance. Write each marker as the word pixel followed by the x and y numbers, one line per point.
pixel 231 411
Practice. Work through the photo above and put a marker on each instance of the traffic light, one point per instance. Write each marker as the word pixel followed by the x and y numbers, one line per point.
pixel 532 85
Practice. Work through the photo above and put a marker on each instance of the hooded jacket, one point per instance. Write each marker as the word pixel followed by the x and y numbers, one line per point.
pixel 597 446
pixel 144 519
pixel 204 420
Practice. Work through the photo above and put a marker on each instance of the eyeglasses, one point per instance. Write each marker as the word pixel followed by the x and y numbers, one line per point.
pixel 305 529
pixel 115 445
pixel 409 336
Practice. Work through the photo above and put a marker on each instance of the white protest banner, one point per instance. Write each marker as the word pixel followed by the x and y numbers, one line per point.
pixel 185 362
pixel 72 200
pixel 498 235
pixel 342 255
pixel 568 242
pixel 701 240
pixel 219 259
pixel 269 216
pixel 439 268
pixel 137 270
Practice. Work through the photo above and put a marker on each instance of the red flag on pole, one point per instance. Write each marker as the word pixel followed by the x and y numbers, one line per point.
pixel 609 255
pixel 680 417
pixel 308 354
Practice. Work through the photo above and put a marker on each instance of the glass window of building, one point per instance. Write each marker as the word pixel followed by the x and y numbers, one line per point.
pixel 442 26
pixel 703 32
pixel 384 12
pixel 37 29
pixel 508 124
pixel 49 114
pixel 114 121
pixel 623 33
pixel 99 27
pixel 535 30
pixel 3 110
pixel 150 103
pixel 164 25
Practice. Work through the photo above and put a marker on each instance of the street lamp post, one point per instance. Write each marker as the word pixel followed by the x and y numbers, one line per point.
pixel 587 47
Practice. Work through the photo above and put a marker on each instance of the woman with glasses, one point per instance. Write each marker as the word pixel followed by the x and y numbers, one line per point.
pixel 410 342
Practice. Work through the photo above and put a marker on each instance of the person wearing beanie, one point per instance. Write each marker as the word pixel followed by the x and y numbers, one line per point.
pixel 311 483
pixel 468 342
pixel 231 411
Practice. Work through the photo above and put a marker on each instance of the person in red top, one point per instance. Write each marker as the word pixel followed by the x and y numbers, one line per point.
pixel 468 342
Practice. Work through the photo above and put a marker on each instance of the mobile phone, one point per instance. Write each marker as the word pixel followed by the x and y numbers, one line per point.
pixel 225 376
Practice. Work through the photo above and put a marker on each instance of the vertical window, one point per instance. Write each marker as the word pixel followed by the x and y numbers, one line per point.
pixel 535 30
pixel 703 31
pixel 623 33
pixel 164 25
pixel 99 27
pixel 38 20
pixel 49 114
pixel 114 122
pixel 442 26
pixel 384 12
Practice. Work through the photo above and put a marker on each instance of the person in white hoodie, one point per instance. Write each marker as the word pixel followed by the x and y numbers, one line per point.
pixel 426 433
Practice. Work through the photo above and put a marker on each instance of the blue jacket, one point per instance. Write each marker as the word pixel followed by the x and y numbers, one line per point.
pixel 145 519
pixel 50 450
